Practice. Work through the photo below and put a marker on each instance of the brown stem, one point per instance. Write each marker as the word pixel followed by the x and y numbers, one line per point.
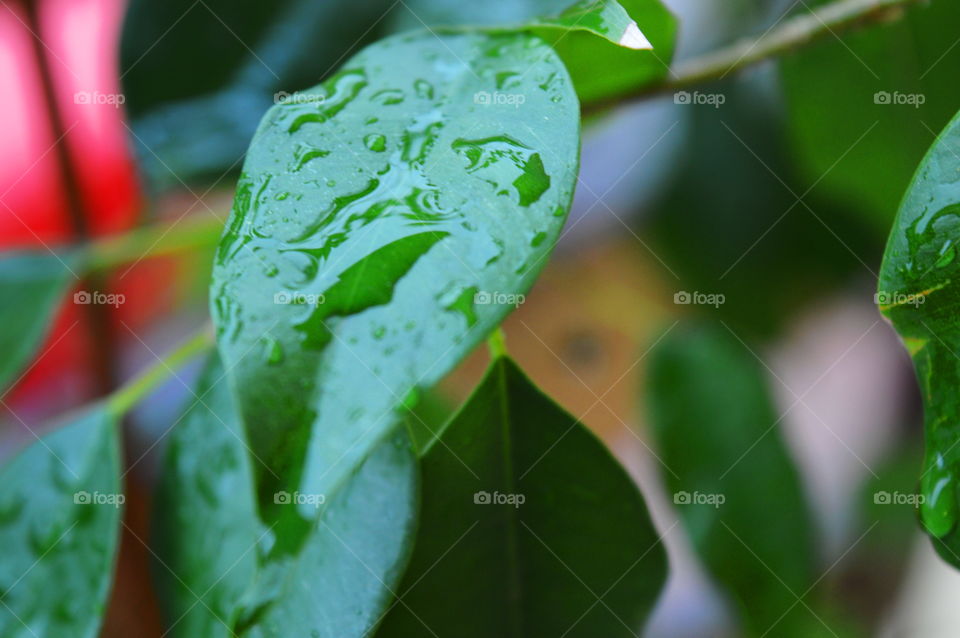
pixel 97 315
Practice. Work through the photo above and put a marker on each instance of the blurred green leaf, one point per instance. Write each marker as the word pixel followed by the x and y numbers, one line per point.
pixel 885 512
pixel 865 107
pixel 918 293
pixel 730 223
pixel 733 481
pixel 198 76
pixel 32 286
pixel 220 573
pixel 529 527
pixel 382 227
pixel 60 501
pixel 599 67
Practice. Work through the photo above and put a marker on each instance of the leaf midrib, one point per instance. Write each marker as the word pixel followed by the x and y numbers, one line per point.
pixel 515 588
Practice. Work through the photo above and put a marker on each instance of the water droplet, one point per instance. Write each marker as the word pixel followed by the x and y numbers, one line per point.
pixel 274 351
pixel 375 142
pixel 423 89
pixel 939 509
pixel 503 161
pixel 346 86
pixel 388 97
pixel 461 300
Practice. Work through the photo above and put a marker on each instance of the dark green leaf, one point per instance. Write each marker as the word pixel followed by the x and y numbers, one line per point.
pixel 864 109
pixel 60 503
pixel 32 285
pixel 742 229
pixel 220 572
pixel 919 294
pixel 384 224
pixel 530 527
pixel 733 481
pixel 199 76
pixel 600 67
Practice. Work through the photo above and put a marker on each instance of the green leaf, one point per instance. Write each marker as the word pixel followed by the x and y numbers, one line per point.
pixel 219 572
pixel 384 224
pixel 198 76
pixel 32 285
pixel 600 67
pixel 60 505
pixel 529 527
pixel 919 295
pixel 864 106
pixel 732 478
pixel 737 154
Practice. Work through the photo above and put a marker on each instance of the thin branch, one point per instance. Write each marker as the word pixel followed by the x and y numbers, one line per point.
pixel 134 391
pixel 833 18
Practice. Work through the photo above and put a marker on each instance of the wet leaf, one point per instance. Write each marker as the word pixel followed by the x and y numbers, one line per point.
pixel 60 507
pixel 385 223
pixel 600 67
pixel 918 294
pixel 730 474
pixel 528 522
pixel 221 572
pixel 32 285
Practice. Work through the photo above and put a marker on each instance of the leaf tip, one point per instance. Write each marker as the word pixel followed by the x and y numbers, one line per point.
pixel 633 38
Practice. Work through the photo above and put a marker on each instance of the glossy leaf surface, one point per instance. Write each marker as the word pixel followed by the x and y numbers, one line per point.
pixel 527 521
pixel 60 509
pixel 384 224
pixel 32 285
pixel 731 477
pixel 918 293
pixel 600 66
pixel 221 573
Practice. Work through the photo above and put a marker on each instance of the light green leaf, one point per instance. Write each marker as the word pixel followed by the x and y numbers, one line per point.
pixel 384 224
pixel 599 69
pixel 220 573
pixel 530 528
pixel 60 503
pixel 918 293
pixel 32 285
pixel 731 477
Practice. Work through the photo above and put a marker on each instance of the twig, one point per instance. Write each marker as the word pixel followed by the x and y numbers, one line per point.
pixel 794 33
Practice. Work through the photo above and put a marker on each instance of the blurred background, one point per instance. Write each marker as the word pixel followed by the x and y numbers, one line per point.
pixel 758 205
